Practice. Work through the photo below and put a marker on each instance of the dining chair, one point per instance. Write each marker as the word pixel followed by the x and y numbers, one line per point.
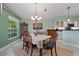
pixel 53 33
pixel 27 42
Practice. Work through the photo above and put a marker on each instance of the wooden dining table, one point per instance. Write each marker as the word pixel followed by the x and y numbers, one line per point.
pixel 38 40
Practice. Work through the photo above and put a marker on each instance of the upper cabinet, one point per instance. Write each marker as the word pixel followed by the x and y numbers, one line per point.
pixel 61 23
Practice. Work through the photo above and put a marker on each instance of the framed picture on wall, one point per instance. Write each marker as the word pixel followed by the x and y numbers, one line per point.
pixel 37 25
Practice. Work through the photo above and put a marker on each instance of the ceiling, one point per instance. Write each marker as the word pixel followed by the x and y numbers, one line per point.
pixel 26 10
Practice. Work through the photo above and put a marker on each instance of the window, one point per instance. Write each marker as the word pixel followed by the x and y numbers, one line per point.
pixel 12 27
pixel 59 24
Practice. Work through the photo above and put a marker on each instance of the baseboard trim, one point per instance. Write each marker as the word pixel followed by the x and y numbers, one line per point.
pixel 71 46
pixel 3 48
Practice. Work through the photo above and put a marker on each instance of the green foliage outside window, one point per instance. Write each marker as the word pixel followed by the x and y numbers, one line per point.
pixel 12 24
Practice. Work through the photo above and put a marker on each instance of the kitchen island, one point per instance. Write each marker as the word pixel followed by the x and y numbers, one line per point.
pixel 71 36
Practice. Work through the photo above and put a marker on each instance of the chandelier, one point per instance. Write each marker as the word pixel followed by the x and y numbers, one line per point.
pixel 36 18
pixel 68 14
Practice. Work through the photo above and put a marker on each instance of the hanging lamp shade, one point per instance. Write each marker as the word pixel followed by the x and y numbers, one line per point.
pixel 68 14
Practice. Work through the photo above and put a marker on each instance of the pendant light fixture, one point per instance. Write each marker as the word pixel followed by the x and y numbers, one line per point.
pixel 68 14
pixel 36 18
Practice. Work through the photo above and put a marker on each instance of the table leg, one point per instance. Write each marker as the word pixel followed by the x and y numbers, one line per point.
pixel 40 52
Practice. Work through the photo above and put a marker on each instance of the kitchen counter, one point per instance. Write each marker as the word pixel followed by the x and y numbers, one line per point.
pixel 67 29
pixel 70 36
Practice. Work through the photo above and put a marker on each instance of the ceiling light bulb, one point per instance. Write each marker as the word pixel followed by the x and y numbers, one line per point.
pixel 36 17
pixel 39 18
pixel 32 18
pixel 68 20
